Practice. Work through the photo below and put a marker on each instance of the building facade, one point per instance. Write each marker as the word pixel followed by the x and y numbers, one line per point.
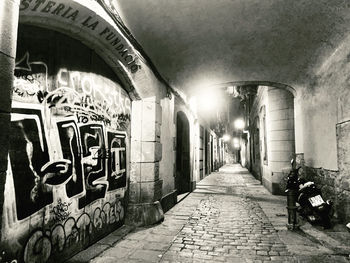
pixel 306 124
pixel 92 138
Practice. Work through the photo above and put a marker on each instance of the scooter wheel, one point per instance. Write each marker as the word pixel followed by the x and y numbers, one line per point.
pixel 326 222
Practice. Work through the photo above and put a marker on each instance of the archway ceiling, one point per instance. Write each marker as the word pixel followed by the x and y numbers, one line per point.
pixel 197 43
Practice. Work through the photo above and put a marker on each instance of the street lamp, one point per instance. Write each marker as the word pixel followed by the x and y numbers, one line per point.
pixel 208 100
pixel 226 137
pixel 239 124
pixel 236 142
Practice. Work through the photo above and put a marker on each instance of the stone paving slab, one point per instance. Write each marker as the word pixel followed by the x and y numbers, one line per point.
pixel 230 217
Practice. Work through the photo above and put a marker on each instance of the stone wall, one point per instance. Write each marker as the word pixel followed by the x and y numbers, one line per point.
pixel 166 165
pixel 342 182
pixel 323 118
pixel 333 184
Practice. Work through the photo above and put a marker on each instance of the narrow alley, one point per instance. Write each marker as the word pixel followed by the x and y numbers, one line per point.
pixel 174 131
pixel 230 217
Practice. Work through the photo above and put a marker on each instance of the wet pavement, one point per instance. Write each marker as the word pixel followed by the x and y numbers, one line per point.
pixel 230 217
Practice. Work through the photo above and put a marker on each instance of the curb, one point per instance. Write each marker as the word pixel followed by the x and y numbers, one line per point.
pixel 325 240
pixel 102 245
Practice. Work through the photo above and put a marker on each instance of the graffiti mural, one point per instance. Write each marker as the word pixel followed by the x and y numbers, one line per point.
pixel 60 211
pixel 116 160
pixel 28 154
pixel 71 150
pixel 41 244
pixel 68 158
pixel 94 166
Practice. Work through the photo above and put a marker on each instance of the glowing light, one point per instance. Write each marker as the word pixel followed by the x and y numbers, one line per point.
pixel 230 90
pixel 193 104
pixel 236 142
pixel 208 100
pixel 226 137
pixel 239 124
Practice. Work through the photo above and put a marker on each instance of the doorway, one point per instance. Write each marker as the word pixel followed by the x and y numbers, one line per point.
pixel 256 149
pixel 182 179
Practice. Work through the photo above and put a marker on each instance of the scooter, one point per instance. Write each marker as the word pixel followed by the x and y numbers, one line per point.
pixel 311 203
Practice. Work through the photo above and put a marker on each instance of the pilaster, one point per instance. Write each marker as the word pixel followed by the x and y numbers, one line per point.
pixel 146 152
pixel 9 12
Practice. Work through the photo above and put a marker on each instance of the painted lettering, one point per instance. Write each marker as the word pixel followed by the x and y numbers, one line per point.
pixel 132 62
pixel 115 41
pixel 24 4
pixel 58 9
pixel 48 7
pixel 105 31
pixel 37 4
pixel 110 36
pixel 119 47
pixel 66 12
pixel 128 57
pixel 93 25
pixel 85 22
pixel 122 53
pixel 134 68
pixel 73 15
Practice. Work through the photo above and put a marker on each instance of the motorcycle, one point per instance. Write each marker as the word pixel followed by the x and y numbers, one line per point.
pixel 312 206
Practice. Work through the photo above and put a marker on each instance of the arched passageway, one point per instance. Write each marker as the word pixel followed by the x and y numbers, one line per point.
pixel 182 179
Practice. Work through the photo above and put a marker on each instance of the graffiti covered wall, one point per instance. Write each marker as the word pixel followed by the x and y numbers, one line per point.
pixel 68 158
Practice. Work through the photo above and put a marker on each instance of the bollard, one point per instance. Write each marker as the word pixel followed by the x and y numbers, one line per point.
pixel 292 209
pixel 292 188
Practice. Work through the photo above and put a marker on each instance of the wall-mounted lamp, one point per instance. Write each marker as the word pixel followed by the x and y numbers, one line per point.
pixel 236 142
pixel 226 137
pixel 239 124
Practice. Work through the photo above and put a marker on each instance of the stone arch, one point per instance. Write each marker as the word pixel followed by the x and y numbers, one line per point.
pixel 93 26
pixel 259 83
pixel 64 116
pixel 88 22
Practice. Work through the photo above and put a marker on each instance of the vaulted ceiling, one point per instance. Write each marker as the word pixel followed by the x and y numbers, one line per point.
pixel 198 43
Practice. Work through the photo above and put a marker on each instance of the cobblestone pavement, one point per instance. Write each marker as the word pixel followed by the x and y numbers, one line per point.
pixel 229 229
pixel 227 226
pixel 230 217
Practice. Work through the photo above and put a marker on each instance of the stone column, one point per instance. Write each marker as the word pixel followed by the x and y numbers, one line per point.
pixel 299 124
pixel 280 136
pixel 145 188
pixel 9 11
